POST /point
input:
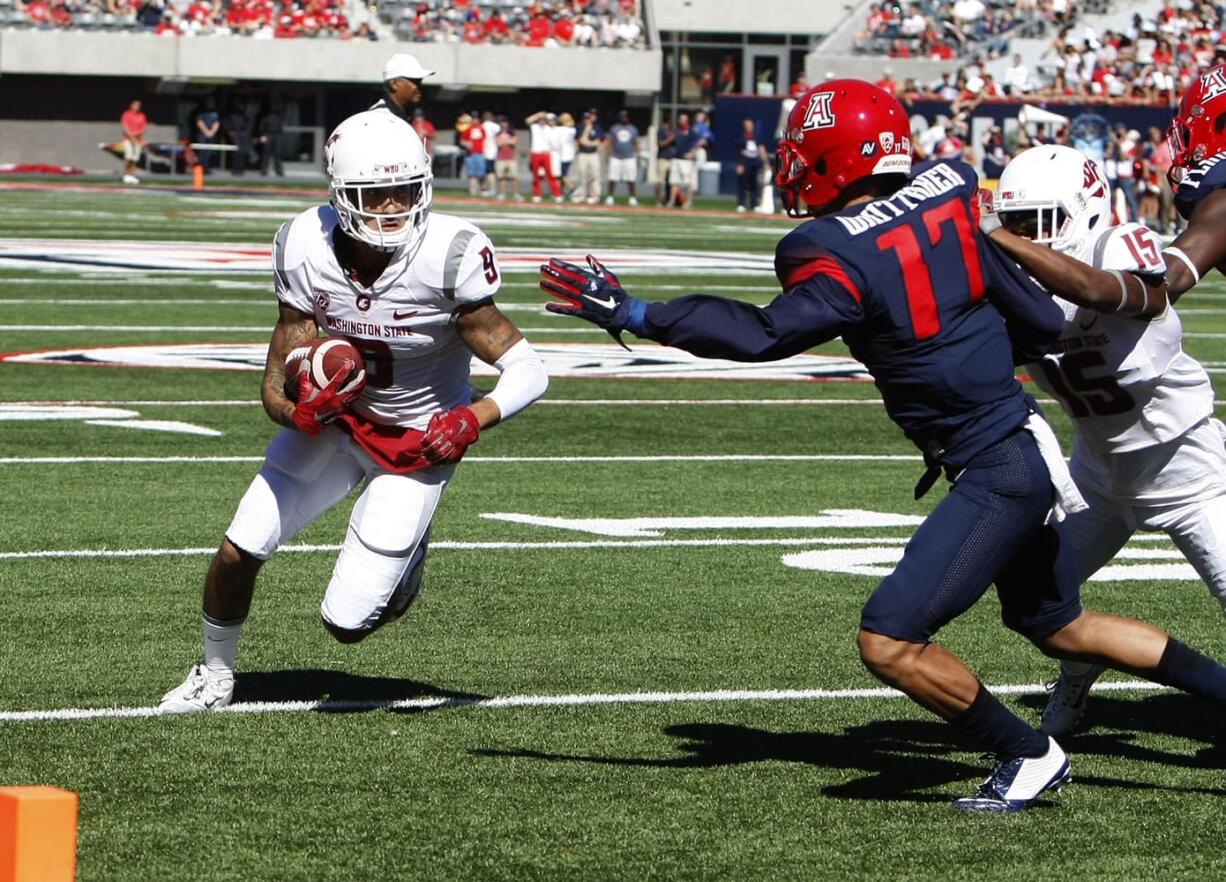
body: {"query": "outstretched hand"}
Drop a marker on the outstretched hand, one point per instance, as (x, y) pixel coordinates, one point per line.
(594, 295)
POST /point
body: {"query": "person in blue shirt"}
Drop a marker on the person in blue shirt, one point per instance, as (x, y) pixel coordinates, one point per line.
(683, 172)
(892, 260)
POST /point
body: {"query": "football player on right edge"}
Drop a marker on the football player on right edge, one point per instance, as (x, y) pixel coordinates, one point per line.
(1197, 139)
(1148, 453)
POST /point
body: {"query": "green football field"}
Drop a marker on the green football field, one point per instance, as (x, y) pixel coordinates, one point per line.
(634, 654)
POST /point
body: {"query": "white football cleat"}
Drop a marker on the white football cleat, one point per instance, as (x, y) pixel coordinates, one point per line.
(203, 690)
(1068, 700)
(1017, 783)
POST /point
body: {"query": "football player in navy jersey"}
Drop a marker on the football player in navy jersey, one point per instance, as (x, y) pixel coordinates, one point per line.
(1197, 138)
(893, 261)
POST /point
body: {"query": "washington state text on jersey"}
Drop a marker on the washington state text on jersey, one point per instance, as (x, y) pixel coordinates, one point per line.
(338, 325)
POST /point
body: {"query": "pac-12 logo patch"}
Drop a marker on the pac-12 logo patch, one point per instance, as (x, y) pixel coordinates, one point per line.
(887, 141)
(819, 114)
(322, 300)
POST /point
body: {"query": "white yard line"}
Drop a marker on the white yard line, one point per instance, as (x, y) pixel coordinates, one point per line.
(534, 701)
(545, 402)
(695, 457)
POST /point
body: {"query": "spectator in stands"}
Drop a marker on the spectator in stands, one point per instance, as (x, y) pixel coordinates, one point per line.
(1156, 162)
(492, 129)
(706, 140)
(133, 123)
(542, 142)
(706, 85)
(471, 136)
(750, 160)
(1017, 78)
(402, 78)
(207, 129)
(682, 171)
(238, 132)
(425, 129)
(566, 135)
(272, 129)
(1124, 152)
(666, 150)
(799, 86)
(623, 140)
(589, 137)
(995, 156)
(887, 81)
(727, 75)
(506, 164)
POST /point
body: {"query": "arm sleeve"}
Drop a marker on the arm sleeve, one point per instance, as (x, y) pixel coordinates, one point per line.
(289, 281)
(817, 310)
(522, 379)
(471, 272)
(1032, 318)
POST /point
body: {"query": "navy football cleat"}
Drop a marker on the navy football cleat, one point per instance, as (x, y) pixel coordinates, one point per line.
(1016, 784)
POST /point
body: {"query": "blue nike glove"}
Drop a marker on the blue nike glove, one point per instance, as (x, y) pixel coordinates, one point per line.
(594, 295)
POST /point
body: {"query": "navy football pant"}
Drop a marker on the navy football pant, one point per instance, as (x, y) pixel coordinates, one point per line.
(989, 528)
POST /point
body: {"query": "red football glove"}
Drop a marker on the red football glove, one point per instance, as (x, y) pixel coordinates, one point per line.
(317, 407)
(449, 434)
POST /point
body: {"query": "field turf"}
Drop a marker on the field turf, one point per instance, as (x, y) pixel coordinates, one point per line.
(576, 695)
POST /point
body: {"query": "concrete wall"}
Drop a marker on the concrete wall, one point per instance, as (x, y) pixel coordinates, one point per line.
(335, 61)
(68, 143)
(749, 16)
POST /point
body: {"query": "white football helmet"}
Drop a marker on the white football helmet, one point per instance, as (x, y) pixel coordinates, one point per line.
(380, 180)
(1054, 195)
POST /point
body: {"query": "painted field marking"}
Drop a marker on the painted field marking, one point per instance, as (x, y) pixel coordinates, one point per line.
(542, 460)
(544, 402)
(534, 701)
(835, 519)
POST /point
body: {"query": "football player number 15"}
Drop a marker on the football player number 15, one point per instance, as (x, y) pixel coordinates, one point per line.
(917, 277)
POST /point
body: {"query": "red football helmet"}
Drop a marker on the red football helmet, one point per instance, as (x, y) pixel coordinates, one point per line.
(837, 133)
(1198, 130)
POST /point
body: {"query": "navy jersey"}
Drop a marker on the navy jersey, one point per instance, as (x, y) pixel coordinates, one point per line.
(936, 312)
(1206, 177)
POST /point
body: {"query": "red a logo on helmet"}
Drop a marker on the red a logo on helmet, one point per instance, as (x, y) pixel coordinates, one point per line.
(1214, 84)
(819, 115)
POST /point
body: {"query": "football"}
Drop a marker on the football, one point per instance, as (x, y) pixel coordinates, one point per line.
(321, 359)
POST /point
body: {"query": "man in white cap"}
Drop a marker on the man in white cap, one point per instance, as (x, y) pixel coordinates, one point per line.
(402, 76)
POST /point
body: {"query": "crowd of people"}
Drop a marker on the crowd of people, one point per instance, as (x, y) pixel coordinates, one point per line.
(950, 28)
(583, 161)
(1144, 63)
(562, 23)
(615, 23)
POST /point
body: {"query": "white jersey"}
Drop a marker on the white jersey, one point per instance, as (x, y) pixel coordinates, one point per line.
(404, 324)
(1125, 381)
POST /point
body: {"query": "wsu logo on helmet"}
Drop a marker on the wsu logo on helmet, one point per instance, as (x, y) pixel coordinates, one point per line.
(1092, 180)
(819, 115)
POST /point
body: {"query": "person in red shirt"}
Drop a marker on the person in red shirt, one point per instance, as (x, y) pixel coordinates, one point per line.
(134, 123)
(472, 137)
(425, 130)
(564, 30)
(496, 30)
(538, 29)
(727, 75)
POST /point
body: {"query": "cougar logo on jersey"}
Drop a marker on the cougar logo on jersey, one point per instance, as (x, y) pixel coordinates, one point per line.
(1214, 84)
(887, 141)
(362, 302)
(819, 115)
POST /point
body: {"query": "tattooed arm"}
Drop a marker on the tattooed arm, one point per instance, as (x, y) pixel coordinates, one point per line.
(494, 339)
(293, 329)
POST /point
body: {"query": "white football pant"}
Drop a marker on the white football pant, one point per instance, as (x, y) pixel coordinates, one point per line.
(1178, 488)
(303, 477)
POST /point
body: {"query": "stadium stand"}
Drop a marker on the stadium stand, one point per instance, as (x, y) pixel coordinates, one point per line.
(608, 23)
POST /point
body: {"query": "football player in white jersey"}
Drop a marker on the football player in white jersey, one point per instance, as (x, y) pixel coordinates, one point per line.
(1148, 453)
(413, 292)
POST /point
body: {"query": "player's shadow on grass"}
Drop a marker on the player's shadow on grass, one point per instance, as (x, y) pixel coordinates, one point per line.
(341, 692)
(1111, 725)
(903, 758)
